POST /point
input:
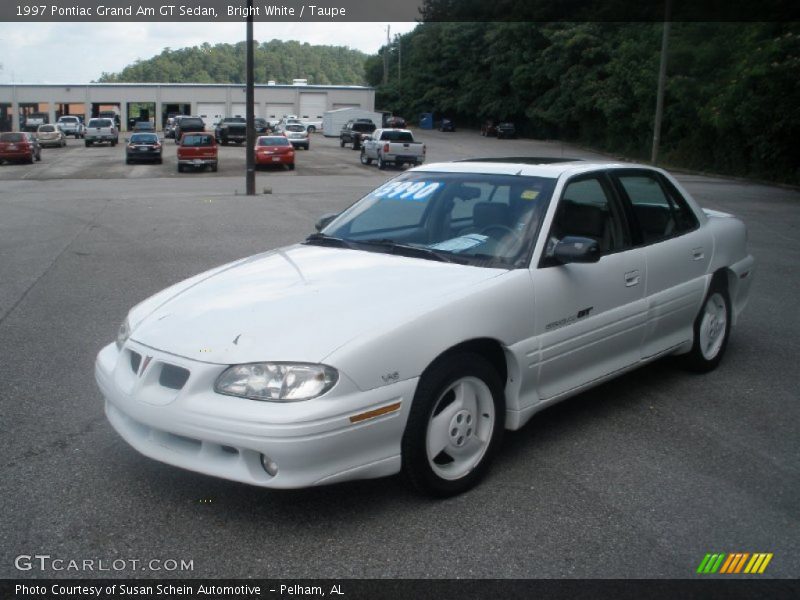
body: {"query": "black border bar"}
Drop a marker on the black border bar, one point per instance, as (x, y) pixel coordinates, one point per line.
(31, 11)
(710, 588)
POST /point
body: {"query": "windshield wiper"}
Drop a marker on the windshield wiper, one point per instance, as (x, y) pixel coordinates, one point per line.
(407, 250)
(321, 239)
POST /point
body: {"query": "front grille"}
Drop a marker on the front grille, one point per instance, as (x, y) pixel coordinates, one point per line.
(173, 377)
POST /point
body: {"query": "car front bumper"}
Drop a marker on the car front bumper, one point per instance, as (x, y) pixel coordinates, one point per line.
(313, 442)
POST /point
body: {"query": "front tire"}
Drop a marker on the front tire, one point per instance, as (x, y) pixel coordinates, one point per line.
(455, 425)
(712, 329)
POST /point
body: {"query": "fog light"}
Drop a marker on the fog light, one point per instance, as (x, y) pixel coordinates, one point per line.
(270, 466)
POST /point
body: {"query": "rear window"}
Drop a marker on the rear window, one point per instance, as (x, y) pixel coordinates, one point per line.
(277, 140)
(192, 122)
(368, 127)
(47, 128)
(100, 123)
(295, 128)
(197, 139)
(144, 138)
(397, 136)
(11, 137)
(68, 120)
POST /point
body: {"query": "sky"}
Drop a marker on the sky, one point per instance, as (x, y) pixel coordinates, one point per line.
(80, 52)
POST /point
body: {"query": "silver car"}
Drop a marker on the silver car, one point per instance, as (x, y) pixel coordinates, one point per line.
(71, 126)
(50, 135)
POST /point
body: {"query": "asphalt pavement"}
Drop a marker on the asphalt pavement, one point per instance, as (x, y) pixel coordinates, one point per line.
(638, 478)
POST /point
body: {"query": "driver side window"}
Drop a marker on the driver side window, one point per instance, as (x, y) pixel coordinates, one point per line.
(586, 210)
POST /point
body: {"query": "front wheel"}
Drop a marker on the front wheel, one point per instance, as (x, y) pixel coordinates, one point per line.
(712, 328)
(455, 425)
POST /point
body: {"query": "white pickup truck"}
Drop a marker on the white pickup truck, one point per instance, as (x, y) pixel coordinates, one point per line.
(392, 146)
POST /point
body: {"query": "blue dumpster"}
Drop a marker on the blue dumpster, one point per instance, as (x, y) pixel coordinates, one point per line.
(426, 121)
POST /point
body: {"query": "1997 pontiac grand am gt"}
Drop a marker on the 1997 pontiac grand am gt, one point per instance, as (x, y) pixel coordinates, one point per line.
(451, 303)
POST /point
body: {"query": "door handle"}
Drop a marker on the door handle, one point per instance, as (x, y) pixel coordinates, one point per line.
(697, 254)
(631, 278)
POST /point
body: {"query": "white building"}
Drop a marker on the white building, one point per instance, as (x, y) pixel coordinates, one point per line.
(157, 101)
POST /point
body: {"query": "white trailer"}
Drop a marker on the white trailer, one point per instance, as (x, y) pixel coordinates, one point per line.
(334, 120)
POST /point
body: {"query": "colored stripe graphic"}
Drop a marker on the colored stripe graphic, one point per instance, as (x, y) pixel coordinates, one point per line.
(734, 563)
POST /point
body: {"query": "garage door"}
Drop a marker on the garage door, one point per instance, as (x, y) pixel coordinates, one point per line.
(239, 109)
(276, 111)
(313, 106)
(210, 112)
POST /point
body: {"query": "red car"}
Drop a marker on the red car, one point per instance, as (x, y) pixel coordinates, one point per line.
(19, 146)
(197, 151)
(274, 150)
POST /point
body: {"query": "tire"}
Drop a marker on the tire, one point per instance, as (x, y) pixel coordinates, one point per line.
(341, 143)
(180, 168)
(113, 143)
(88, 143)
(356, 145)
(214, 168)
(364, 159)
(291, 167)
(32, 157)
(455, 425)
(311, 129)
(381, 163)
(712, 328)
(160, 161)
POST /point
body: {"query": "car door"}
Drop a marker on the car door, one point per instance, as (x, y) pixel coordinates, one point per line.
(589, 317)
(677, 250)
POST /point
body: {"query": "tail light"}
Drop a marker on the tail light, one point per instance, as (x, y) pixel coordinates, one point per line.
(386, 147)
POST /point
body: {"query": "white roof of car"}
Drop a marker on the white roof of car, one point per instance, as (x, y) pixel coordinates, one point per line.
(545, 169)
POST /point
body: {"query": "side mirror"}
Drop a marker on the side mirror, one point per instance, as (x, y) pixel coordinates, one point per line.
(324, 220)
(576, 249)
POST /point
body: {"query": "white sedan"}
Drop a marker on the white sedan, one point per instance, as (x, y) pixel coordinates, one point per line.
(451, 303)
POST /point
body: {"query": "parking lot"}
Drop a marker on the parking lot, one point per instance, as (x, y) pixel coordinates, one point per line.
(638, 478)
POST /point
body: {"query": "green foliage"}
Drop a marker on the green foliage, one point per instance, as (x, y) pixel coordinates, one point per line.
(225, 63)
(732, 101)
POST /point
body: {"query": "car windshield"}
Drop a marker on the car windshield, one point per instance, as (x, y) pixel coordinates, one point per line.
(11, 137)
(480, 219)
(100, 123)
(144, 138)
(273, 141)
(191, 139)
(397, 136)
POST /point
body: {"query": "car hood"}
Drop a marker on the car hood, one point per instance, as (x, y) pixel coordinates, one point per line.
(298, 303)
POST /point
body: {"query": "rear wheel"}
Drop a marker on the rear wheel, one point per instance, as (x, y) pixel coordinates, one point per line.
(455, 425)
(180, 168)
(711, 330)
(311, 129)
(32, 157)
(341, 143)
(381, 163)
(291, 167)
(364, 159)
(214, 168)
(88, 143)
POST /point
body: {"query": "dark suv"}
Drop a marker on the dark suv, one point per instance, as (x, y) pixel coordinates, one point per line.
(353, 131)
(188, 125)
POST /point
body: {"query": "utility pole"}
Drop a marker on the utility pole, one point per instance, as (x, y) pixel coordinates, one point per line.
(399, 39)
(386, 56)
(250, 151)
(662, 77)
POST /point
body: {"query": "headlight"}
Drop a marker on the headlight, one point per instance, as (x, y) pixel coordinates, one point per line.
(277, 382)
(123, 334)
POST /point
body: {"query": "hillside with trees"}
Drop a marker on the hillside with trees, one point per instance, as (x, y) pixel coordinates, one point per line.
(732, 101)
(225, 63)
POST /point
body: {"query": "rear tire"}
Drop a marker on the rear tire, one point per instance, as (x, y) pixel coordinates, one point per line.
(712, 328)
(381, 163)
(311, 129)
(341, 143)
(87, 143)
(291, 167)
(364, 159)
(455, 425)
